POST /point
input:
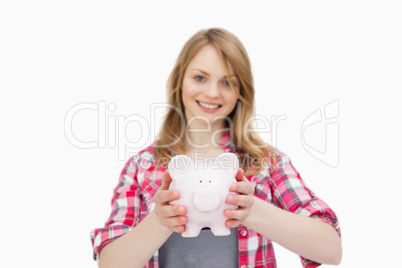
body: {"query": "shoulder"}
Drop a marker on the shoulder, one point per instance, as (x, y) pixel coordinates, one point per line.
(141, 162)
(147, 166)
(282, 159)
(283, 165)
(276, 160)
(275, 163)
(145, 156)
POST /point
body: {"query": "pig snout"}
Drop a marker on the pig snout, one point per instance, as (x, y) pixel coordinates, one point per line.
(206, 200)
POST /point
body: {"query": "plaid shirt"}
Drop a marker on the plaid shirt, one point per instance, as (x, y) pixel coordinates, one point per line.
(140, 179)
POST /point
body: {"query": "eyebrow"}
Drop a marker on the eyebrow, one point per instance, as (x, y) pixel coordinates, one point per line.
(204, 72)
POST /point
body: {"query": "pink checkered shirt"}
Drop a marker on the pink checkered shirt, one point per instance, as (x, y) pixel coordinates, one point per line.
(140, 179)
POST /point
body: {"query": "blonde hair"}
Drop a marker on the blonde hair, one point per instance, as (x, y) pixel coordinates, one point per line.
(248, 145)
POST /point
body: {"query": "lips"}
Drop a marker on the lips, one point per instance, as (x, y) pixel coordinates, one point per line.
(208, 105)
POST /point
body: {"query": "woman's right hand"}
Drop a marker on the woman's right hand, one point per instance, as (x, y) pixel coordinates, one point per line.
(171, 216)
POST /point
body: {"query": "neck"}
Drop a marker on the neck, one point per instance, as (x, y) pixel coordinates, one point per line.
(199, 138)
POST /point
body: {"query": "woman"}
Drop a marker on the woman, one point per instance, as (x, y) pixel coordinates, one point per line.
(212, 95)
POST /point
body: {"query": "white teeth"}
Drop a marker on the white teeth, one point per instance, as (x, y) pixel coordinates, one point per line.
(208, 106)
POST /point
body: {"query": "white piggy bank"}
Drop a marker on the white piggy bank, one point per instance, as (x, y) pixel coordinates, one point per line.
(203, 189)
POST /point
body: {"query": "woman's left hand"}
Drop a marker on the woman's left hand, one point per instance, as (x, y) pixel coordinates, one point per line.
(244, 200)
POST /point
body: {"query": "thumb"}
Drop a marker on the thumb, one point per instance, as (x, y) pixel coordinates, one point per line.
(166, 180)
(240, 174)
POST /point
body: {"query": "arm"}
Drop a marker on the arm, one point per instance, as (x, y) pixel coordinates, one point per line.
(135, 248)
(285, 222)
(305, 236)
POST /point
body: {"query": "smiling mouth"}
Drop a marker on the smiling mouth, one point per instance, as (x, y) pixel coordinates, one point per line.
(208, 106)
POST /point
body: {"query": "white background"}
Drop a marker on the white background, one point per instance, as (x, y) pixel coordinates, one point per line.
(305, 55)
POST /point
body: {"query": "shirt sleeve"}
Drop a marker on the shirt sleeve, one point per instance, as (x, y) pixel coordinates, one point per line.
(290, 193)
(125, 209)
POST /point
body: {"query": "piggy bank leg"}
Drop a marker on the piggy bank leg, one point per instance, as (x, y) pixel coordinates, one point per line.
(220, 230)
(192, 230)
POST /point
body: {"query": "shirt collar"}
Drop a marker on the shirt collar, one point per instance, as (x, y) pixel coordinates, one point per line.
(224, 141)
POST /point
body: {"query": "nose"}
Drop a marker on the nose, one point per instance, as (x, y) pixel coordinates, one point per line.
(212, 90)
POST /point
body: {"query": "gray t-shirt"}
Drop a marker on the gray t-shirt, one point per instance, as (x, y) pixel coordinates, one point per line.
(206, 250)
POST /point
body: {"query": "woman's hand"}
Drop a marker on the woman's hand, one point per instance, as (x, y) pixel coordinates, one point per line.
(244, 200)
(171, 216)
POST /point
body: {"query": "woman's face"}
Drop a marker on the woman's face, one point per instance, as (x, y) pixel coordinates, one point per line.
(206, 91)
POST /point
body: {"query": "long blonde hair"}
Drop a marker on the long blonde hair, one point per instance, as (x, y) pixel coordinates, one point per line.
(253, 153)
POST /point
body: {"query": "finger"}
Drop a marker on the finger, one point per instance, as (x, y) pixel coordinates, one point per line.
(166, 196)
(240, 174)
(170, 211)
(242, 187)
(179, 229)
(237, 214)
(174, 222)
(166, 180)
(240, 200)
(232, 223)
(175, 228)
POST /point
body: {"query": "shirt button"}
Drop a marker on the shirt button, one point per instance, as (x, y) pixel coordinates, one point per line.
(243, 232)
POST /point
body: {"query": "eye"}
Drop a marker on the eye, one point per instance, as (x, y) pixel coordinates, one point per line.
(226, 83)
(199, 78)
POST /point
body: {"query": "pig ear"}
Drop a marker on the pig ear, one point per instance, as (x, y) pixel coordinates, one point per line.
(179, 165)
(228, 163)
